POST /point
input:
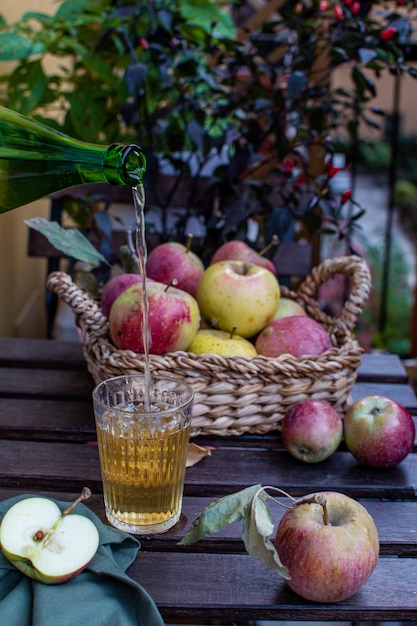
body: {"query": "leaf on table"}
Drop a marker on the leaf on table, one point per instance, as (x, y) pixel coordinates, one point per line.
(70, 241)
(196, 453)
(257, 527)
(218, 514)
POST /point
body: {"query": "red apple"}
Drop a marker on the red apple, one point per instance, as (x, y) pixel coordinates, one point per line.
(114, 287)
(297, 335)
(378, 431)
(238, 295)
(237, 250)
(312, 430)
(173, 319)
(174, 261)
(330, 546)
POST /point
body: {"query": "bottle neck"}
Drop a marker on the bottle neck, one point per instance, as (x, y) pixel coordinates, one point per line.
(124, 165)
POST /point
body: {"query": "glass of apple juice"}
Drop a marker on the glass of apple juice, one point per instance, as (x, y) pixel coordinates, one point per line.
(143, 432)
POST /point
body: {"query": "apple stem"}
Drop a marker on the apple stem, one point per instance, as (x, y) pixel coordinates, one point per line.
(234, 329)
(84, 495)
(189, 241)
(316, 498)
(172, 283)
(40, 535)
(274, 242)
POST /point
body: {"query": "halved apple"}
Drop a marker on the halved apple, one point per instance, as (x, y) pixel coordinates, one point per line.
(46, 544)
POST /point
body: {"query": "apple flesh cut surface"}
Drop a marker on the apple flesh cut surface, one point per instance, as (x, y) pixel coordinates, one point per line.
(330, 550)
(45, 544)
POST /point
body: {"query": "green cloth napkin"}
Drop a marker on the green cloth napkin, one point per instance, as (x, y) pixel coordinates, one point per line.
(102, 595)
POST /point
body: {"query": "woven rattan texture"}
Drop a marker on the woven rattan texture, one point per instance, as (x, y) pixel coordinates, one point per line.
(237, 395)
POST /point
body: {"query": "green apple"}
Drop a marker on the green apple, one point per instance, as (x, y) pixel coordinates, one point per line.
(236, 294)
(288, 307)
(46, 544)
(213, 341)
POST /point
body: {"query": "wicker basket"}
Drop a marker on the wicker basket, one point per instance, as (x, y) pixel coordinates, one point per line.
(237, 395)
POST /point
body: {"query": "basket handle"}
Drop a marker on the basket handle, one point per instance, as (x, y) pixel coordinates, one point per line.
(87, 311)
(353, 266)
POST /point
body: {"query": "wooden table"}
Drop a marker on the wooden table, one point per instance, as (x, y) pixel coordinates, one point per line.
(47, 446)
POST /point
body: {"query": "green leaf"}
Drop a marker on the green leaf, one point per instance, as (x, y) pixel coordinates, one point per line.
(218, 514)
(14, 47)
(258, 526)
(68, 240)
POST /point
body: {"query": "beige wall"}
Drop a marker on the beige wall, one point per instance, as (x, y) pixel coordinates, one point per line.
(22, 279)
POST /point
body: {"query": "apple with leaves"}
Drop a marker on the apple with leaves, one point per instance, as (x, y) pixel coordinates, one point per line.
(329, 543)
(173, 319)
(378, 431)
(235, 294)
(312, 430)
(174, 261)
(326, 544)
(46, 544)
(237, 250)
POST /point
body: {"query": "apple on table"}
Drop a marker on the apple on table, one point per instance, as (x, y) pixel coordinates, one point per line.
(329, 543)
(46, 544)
(312, 430)
(236, 294)
(378, 431)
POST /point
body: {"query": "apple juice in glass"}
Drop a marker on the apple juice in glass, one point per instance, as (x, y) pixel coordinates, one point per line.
(143, 450)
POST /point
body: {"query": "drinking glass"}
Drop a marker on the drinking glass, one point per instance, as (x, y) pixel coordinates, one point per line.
(143, 433)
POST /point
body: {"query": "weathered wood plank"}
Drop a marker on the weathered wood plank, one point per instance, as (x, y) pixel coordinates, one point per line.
(43, 465)
(238, 586)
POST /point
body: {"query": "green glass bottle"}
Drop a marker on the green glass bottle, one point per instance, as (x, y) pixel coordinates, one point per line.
(36, 161)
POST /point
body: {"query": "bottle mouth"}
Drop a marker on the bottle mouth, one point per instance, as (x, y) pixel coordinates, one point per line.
(133, 165)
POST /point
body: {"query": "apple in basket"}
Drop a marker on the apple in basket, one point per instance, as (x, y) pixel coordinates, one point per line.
(114, 287)
(222, 343)
(296, 335)
(46, 544)
(312, 430)
(287, 308)
(378, 431)
(329, 543)
(235, 294)
(237, 250)
(173, 319)
(174, 261)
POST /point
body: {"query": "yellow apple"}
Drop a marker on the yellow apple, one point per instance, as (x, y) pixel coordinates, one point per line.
(213, 341)
(236, 294)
